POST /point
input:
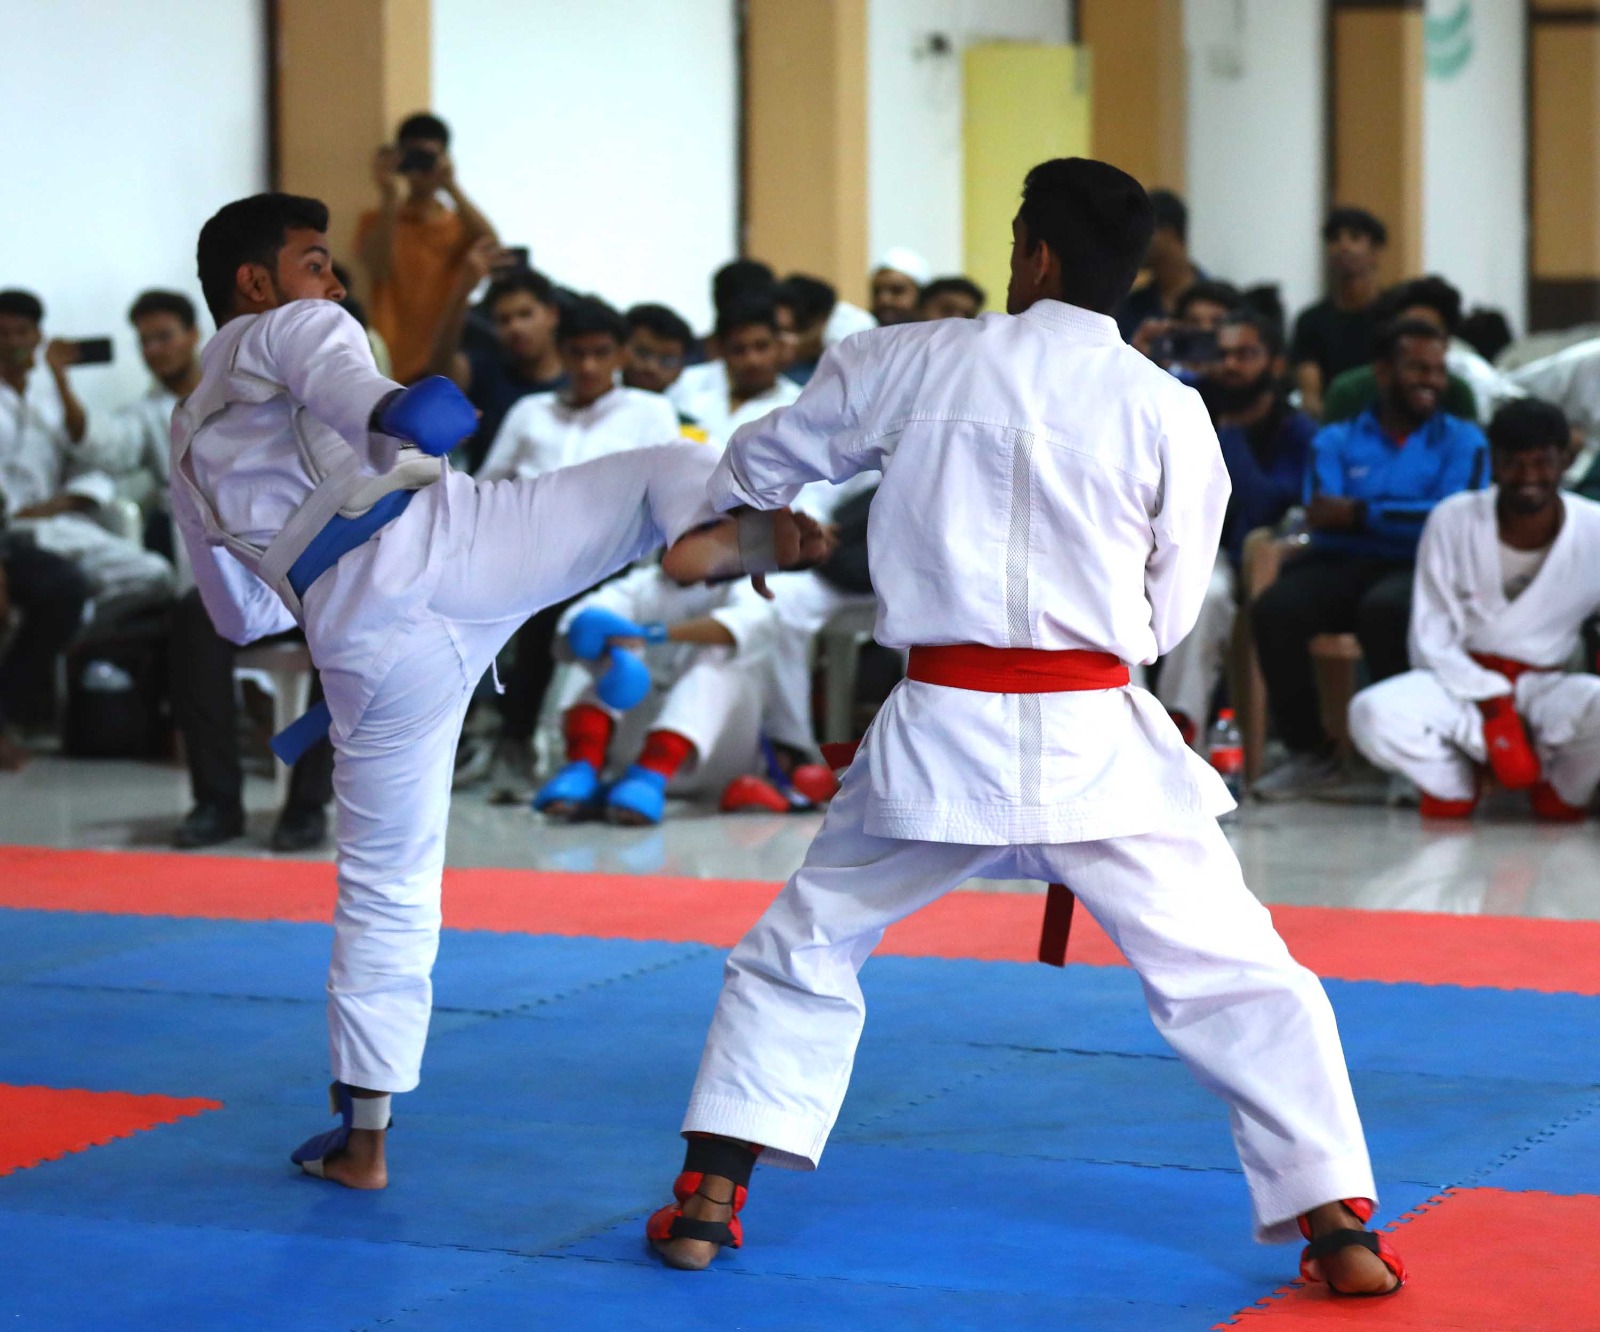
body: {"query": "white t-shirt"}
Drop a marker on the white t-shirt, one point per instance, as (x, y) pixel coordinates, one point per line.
(543, 431)
(37, 460)
(1518, 568)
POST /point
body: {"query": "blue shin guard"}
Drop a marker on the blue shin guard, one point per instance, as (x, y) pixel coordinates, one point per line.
(313, 1152)
(575, 784)
(641, 792)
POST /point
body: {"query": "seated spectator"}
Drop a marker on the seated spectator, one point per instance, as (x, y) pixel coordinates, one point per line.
(1475, 388)
(708, 652)
(1371, 485)
(205, 713)
(809, 302)
(521, 304)
(44, 597)
(1337, 333)
(131, 444)
(49, 496)
(659, 341)
(1569, 378)
(1170, 269)
(414, 247)
(954, 297)
(751, 385)
(1505, 580)
(1265, 444)
(738, 283)
(1186, 343)
(1487, 331)
(897, 281)
(593, 416)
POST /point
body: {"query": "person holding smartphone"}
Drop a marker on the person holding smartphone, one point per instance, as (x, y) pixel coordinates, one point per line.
(413, 246)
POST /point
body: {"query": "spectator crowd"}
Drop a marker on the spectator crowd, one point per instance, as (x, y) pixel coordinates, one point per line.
(1413, 498)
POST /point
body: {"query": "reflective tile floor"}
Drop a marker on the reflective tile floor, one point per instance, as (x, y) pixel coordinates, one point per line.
(1316, 855)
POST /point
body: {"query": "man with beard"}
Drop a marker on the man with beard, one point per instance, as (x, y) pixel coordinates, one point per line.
(1506, 578)
(1370, 487)
(1265, 444)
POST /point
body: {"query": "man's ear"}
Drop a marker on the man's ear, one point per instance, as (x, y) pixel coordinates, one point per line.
(253, 283)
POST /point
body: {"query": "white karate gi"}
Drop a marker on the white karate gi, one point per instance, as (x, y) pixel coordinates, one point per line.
(1044, 486)
(716, 697)
(38, 461)
(401, 630)
(542, 431)
(701, 393)
(1426, 723)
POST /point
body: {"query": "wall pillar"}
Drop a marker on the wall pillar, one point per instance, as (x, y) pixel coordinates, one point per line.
(1138, 107)
(1563, 163)
(344, 76)
(805, 138)
(1376, 69)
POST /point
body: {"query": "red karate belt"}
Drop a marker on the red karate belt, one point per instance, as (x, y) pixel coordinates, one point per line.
(992, 670)
(995, 670)
(1505, 666)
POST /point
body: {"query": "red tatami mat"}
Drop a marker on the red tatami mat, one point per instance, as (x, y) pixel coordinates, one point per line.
(1478, 1260)
(1499, 952)
(41, 1123)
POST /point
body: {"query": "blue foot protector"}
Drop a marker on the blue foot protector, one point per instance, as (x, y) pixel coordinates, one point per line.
(575, 784)
(313, 1152)
(640, 792)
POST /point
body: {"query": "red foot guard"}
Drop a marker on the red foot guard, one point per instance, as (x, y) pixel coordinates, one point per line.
(1317, 1249)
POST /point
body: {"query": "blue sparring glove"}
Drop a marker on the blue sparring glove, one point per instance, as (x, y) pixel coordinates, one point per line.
(433, 414)
(590, 628)
(626, 681)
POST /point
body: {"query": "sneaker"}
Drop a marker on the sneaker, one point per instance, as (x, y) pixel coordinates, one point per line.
(473, 760)
(1299, 777)
(511, 773)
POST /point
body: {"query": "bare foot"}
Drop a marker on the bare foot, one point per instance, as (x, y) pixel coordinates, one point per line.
(1352, 1270)
(694, 1255)
(361, 1165)
(711, 553)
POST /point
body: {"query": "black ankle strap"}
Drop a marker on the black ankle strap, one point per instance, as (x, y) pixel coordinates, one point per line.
(1335, 1240)
(721, 1156)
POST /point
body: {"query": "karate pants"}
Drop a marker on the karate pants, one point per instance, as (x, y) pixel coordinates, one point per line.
(1249, 1022)
(716, 705)
(1411, 724)
(527, 544)
(1191, 672)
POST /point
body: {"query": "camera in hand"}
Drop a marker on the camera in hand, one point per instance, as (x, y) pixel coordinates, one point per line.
(1186, 346)
(417, 160)
(93, 351)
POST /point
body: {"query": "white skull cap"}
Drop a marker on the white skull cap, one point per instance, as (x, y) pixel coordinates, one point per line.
(909, 262)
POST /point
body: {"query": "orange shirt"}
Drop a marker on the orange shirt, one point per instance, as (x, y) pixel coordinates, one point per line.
(424, 266)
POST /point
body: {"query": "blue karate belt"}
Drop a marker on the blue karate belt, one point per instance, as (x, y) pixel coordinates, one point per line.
(338, 538)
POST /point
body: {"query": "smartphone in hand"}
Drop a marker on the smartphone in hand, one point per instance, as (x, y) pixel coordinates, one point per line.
(93, 351)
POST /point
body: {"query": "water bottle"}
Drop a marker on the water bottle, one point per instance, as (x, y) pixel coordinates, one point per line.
(1226, 750)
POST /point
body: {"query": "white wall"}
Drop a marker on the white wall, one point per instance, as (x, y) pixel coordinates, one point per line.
(1475, 225)
(1255, 136)
(914, 185)
(602, 135)
(129, 125)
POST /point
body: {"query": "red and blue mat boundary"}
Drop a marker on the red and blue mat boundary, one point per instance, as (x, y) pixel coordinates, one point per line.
(1018, 1148)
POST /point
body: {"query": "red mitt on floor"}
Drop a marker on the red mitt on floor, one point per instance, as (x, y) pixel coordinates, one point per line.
(1511, 756)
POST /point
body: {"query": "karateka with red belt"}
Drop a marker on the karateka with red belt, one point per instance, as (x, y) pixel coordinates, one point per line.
(1506, 578)
(1049, 512)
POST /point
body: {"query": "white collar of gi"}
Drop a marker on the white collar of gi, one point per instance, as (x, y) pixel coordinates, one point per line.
(1083, 325)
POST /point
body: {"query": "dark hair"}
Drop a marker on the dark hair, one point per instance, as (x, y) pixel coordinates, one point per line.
(1266, 299)
(811, 299)
(24, 303)
(589, 314)
(1171, 213)
(1268, 328)
(1097, 222)
(1357, 220)
(740, 280)
(956, 284)
(423, 125)
(1390, 340)
(1224, 294)
(1486, 331)
(173, 303)
(1528, 423)
(249, 231)
(667, 324)
(743, 314)
(1432, 293)
(530, 280)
